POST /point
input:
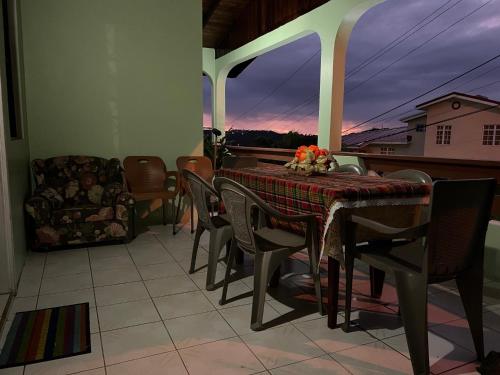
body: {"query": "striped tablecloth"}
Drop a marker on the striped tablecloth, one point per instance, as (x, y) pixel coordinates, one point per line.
(391, 201)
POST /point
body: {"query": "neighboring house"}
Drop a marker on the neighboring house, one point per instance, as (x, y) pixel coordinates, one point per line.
(455, 125)
(467, 135)
(379, 141)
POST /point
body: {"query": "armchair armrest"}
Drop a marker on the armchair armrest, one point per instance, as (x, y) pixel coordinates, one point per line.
(39, 209)
(390, 232)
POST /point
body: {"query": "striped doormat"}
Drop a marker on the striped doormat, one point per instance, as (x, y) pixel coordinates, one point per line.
(43, 335)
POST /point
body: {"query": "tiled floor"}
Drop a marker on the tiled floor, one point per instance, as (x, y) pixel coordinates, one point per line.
(149, 317)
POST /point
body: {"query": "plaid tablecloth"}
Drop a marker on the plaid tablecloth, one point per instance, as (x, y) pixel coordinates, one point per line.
(328, 195)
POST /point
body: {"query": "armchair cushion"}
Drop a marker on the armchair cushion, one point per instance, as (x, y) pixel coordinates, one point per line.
(82, 214)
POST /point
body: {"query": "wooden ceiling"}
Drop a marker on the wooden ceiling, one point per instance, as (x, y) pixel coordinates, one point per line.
(229, 24)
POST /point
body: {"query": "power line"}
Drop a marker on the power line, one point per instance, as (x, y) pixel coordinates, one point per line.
(437, 122)
(393, 44)
(475, 78)
(425, 93)
(484, 86)
(280, 85)
(418, 47)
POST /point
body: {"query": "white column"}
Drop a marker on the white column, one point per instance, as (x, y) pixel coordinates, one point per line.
(219, 101)
(331, 96)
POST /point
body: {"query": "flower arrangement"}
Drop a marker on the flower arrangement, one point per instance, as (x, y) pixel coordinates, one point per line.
(310, 160)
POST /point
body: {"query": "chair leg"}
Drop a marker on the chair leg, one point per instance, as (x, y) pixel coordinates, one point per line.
(470, 286)
(199, 232)
(349, 273)
(265, 265)
(315, 270)
(377, 278)
(173, 216)
(229, 266)
(164, 211)
(412, 296)
(192, 215)
(215, 247)
(178, 211)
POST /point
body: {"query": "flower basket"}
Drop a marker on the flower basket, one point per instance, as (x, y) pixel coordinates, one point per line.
(309, 161)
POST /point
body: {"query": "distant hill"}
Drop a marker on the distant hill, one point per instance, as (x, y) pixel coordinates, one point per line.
(268, 138)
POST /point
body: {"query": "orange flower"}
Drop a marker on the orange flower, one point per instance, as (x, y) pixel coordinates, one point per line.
(300, 150)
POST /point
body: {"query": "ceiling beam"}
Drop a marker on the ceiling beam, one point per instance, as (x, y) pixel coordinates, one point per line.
(210, 11)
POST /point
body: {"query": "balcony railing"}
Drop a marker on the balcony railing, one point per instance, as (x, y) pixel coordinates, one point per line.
(437, 168)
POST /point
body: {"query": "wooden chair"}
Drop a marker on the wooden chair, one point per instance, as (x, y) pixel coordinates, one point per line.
(202, 166)
(147, 178)
(268, 245)
(450, 246)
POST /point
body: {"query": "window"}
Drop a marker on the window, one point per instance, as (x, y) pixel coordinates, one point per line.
(420, 128)
(387, 150)
(491, 135)
(443, 135)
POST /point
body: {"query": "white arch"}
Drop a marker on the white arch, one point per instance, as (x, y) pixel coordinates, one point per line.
(333, 22)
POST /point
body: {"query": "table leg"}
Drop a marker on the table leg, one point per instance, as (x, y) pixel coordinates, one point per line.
(333, 291)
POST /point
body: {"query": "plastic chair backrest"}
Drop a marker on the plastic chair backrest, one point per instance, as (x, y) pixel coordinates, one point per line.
(200, 191)
(145, 174)
(411, 175)
(201, 165)
(351, 168)
(459, 214)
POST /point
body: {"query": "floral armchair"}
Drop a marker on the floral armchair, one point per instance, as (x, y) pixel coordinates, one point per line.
(77, 200)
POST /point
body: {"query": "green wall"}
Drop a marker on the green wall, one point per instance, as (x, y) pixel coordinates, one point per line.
(114, 77)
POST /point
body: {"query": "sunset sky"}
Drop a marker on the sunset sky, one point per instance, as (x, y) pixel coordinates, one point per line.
(450, 52)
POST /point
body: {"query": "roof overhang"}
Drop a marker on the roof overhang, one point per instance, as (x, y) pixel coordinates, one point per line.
(413, 117)
(460, 96)
(230, 24)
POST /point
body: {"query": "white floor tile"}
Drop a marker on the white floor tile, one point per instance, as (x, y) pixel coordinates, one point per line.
(66, 298)
(152, 255)
(123, 261)
(443, 354)
(374, 359)
(136, 342)
(13, 371)
(239, 317)
(66, 283)
(170, 285)
(198, 329)
(120, 293)
(168, 363)
(127, 314)
(67, 256)
(316, 366)
(101, 252)
(178, 305)
(115, 276)
(237, 294)
(66, 268)
(281, 346)
(224, 357)
(381, 324)
(29, 285)
(157, 271)
(333, 340)
(70, 365)
(20, 304)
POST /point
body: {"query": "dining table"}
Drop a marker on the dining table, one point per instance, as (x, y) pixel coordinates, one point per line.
(333, 197)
